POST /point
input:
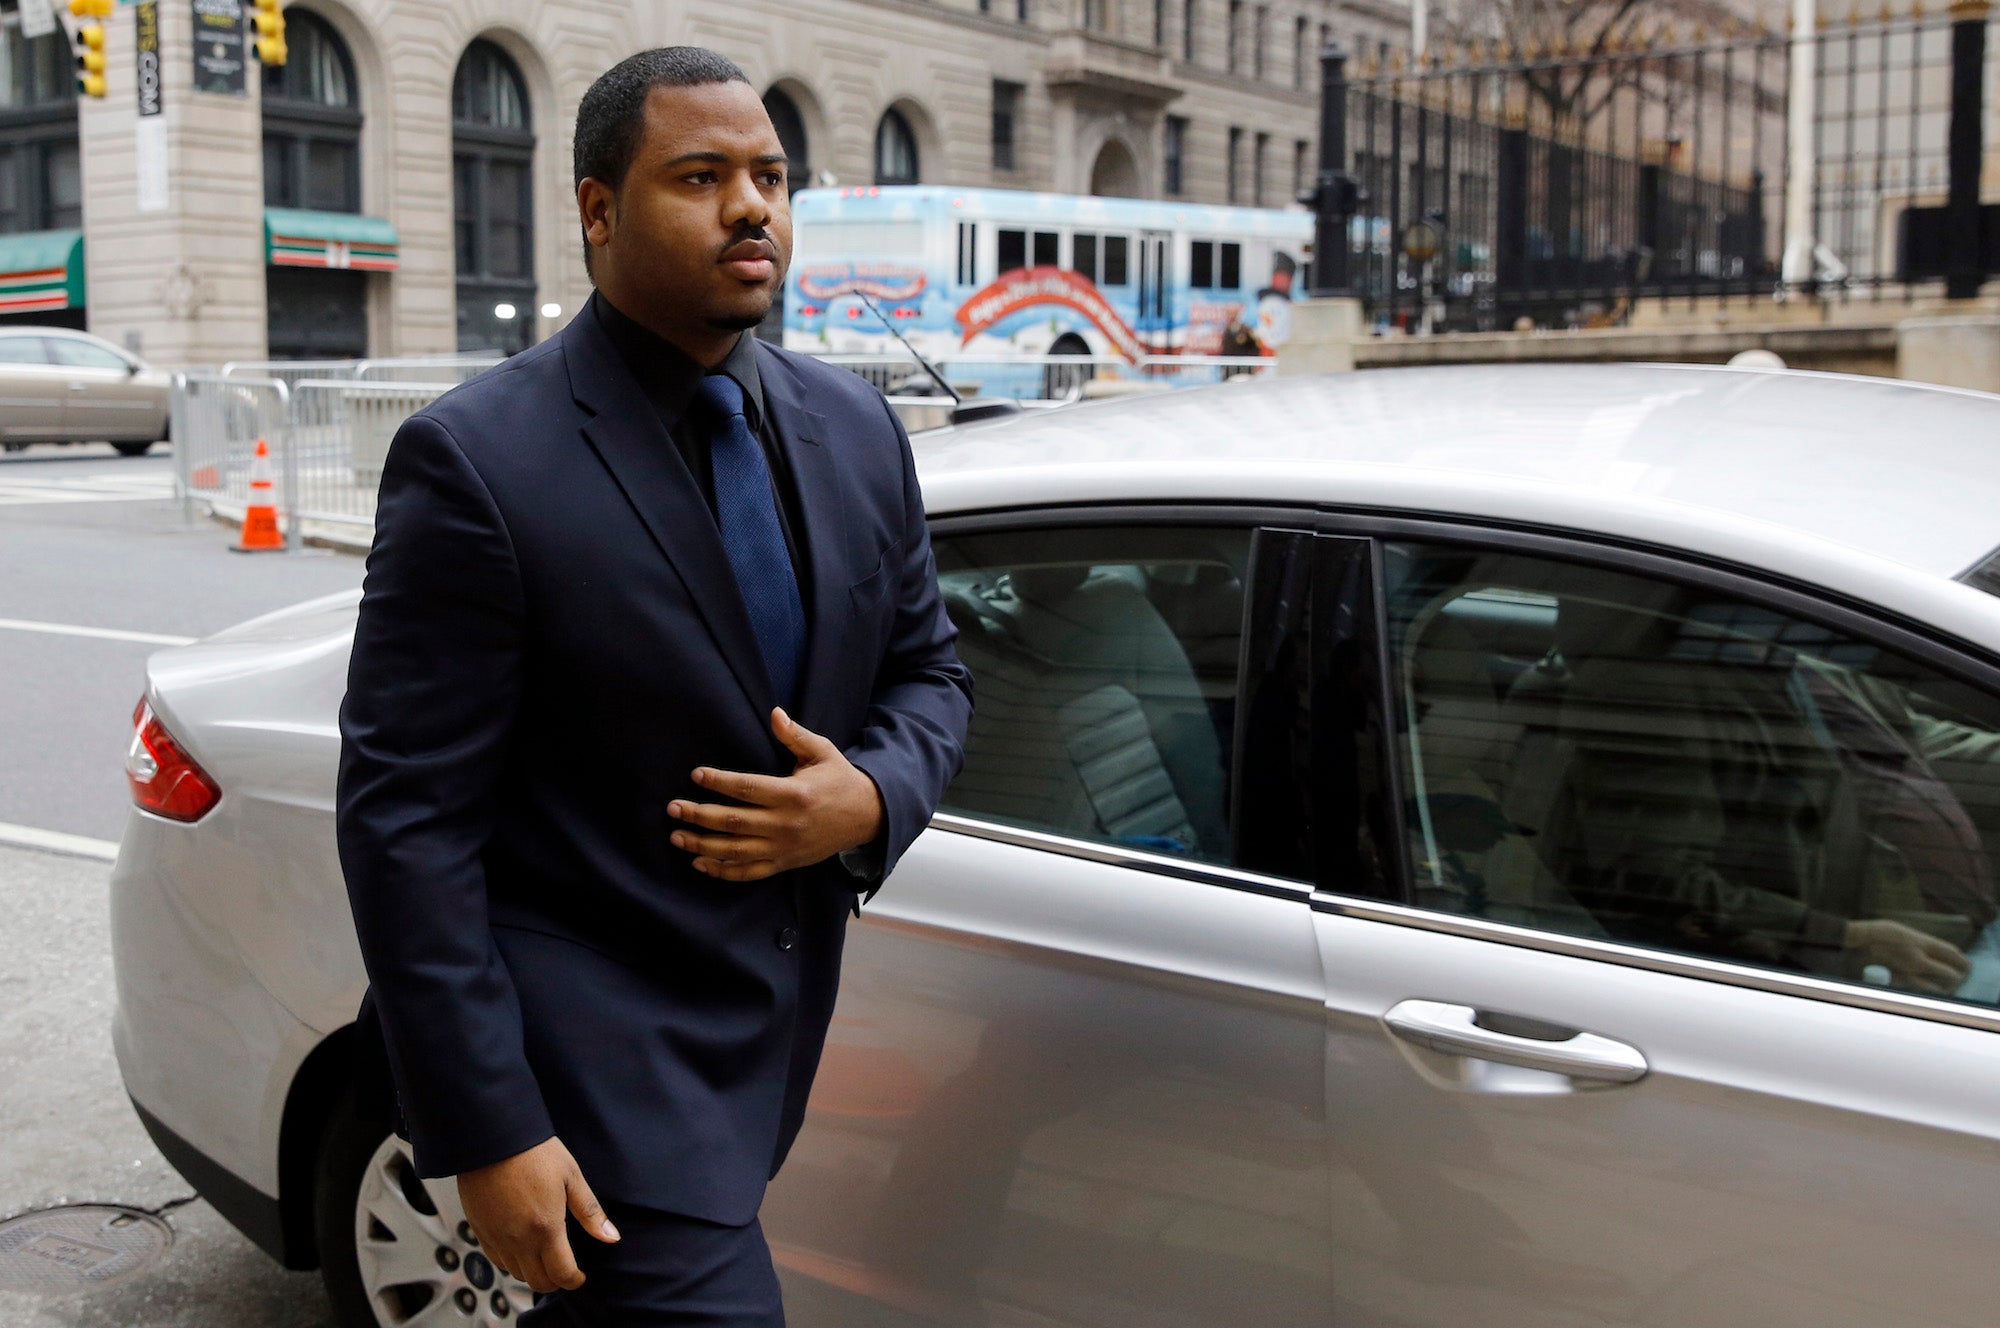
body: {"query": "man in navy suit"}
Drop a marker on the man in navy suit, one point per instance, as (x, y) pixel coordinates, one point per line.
(651, 685)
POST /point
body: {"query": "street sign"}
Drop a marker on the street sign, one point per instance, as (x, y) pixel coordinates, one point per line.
(219, 57)
(146, 46)
(149, 138)
(38, 18)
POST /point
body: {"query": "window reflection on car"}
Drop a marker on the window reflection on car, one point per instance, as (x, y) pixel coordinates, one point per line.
(1646, 761)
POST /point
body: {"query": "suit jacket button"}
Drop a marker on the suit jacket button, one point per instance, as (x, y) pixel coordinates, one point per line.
(788, 937)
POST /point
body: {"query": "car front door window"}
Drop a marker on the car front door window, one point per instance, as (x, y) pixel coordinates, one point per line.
(1105, 675)
(1643, 761)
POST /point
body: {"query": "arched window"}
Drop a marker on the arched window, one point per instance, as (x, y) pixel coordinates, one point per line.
(493, 156)
(312, 121)
(791, 127)
(895, 150)
(312, 163)
(41, 182)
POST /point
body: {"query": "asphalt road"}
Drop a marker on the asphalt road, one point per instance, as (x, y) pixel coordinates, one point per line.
(89, 543)
(82, 545)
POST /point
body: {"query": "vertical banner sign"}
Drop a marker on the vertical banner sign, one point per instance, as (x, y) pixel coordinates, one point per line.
(220, 60)
(38, 18)
(150, 135)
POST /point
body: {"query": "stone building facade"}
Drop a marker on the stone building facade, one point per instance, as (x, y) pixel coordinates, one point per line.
(403, 185)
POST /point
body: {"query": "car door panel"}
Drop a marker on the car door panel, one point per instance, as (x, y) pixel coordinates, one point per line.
(1775, 1147)
(31, 394)
(1062, 1089)
(104, 399)
(1785, 1160)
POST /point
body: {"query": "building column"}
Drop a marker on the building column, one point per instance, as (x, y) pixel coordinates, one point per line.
(179, 275)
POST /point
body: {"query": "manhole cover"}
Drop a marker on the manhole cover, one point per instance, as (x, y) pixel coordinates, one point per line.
(57, 1250)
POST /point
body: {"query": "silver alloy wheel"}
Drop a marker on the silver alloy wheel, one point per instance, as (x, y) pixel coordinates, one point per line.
(423, 1269)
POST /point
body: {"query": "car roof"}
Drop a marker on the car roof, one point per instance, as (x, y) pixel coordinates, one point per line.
(1890, 470)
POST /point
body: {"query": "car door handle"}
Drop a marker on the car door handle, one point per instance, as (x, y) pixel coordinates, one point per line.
(79, 387)
(1457, 1030)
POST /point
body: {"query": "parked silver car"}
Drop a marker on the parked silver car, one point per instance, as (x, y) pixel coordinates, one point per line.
(1488, 846)
(62, 386)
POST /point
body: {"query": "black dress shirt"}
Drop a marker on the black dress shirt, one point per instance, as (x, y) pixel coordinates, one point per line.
(669, 376)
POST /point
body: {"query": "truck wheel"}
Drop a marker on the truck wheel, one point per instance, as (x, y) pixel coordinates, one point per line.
(393, 1246)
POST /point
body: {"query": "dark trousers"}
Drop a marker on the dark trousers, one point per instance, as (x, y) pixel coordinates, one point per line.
(665, 1271)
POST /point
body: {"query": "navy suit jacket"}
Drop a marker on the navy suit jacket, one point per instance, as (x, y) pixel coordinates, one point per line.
(550, 640)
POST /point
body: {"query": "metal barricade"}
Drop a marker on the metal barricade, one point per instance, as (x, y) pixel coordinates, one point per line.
(329, 432)
(1047, 378)
(340, 432)
(422, 368)
(217, 422)
(288, 371)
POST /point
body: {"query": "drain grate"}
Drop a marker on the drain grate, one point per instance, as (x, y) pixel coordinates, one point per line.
(78, 1246)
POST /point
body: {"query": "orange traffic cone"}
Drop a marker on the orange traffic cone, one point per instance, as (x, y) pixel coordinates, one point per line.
(260, 517)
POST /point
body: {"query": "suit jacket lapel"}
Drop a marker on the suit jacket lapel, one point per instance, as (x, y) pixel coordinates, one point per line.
(625, 432)
(801, 435)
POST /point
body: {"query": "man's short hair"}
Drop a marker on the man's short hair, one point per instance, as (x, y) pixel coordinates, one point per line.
(611, 119)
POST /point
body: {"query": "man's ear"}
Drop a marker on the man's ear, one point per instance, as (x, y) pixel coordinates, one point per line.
(597, 207)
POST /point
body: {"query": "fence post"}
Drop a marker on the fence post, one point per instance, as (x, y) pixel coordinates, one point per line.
(1964, 264)
(181, 430)
(1802, 147)
(1510, 207)
(1334, 196)
(288, 438)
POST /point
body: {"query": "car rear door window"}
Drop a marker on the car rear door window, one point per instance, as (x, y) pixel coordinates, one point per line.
(1646, 761)
(84, 355)
(1104, 666)
(23, 350)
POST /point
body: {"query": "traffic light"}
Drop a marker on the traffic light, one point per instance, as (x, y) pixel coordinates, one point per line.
(90, 16)
(269, 21)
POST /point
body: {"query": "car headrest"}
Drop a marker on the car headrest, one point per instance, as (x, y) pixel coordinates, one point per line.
(1643, 624)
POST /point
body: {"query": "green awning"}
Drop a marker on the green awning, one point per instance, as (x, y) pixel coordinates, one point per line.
(294, 237)
(41, 271)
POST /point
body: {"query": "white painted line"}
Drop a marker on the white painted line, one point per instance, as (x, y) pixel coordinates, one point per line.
(98, 633)
(55, 841)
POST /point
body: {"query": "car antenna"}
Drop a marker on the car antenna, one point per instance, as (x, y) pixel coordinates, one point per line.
(962, 411)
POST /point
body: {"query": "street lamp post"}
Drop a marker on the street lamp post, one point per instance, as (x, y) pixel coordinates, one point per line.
(1336, 195)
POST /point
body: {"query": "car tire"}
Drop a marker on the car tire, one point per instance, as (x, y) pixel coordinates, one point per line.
(1064, 382)
(392, 1245)
(133, 449)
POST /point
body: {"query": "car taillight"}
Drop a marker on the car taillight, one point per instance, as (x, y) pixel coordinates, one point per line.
(165, 780)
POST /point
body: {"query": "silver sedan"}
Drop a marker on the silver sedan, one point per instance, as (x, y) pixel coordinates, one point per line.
(60, 386)
(1437, 847)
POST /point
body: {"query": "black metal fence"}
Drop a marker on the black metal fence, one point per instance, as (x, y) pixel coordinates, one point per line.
(1498, 190)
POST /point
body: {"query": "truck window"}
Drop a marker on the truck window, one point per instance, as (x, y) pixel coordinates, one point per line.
(1013, 250)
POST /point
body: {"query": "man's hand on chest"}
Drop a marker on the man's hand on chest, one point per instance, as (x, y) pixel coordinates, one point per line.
(825, 806)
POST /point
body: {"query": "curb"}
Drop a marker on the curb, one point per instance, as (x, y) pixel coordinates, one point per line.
(335, 535)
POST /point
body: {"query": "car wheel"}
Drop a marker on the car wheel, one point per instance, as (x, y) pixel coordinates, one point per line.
(133, 449)
(1064, 382)
(12, 446)
(395, 1249)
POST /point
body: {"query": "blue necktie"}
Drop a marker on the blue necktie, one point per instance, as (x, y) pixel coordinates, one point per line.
(746, 509)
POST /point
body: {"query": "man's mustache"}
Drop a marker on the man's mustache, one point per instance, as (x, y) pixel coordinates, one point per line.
(749, 235)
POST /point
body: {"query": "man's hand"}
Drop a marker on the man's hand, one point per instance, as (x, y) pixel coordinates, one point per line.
(825, 806)
(516, 1207)
(1914, 959)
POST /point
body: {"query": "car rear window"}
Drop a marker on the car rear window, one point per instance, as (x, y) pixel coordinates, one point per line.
(1986, 574)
